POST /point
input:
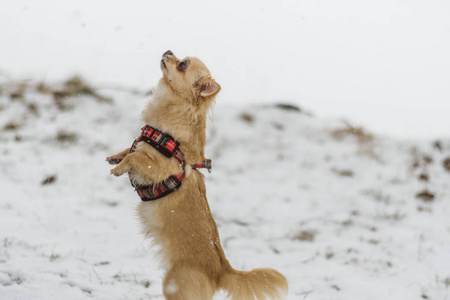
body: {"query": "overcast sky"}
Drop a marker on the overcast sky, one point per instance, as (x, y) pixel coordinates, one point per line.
(384, 64)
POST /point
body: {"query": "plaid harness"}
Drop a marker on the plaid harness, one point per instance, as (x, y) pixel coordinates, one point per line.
(168, 147)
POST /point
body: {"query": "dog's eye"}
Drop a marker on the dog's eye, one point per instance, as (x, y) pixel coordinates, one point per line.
(182, 65)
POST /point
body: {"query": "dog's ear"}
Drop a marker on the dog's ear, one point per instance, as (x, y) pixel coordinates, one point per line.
(209, 88)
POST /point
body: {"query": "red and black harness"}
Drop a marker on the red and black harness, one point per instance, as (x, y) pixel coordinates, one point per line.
(168, 147)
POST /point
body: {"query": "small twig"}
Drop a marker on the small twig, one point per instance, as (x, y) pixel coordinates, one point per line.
(308, 259)
(305, 294)
(98, 276)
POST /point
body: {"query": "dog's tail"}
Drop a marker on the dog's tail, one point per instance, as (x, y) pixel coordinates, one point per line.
(259, 284)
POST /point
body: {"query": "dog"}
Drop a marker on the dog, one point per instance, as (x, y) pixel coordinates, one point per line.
(181, 223)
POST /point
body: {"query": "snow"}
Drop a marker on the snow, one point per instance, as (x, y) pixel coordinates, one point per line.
(334, 209)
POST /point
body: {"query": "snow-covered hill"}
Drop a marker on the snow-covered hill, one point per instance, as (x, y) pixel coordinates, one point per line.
(342, 213)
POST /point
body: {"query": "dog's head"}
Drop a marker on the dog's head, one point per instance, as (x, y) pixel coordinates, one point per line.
(188, 78)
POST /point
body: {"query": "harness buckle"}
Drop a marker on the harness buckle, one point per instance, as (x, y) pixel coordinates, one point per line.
(172, 183)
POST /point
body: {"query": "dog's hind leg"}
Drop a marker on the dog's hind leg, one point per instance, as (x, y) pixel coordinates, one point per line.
(185, 283)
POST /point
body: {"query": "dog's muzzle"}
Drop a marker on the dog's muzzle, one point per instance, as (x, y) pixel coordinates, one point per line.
(168, 54)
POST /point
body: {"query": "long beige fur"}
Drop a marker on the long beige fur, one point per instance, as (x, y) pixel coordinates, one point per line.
(181, 223)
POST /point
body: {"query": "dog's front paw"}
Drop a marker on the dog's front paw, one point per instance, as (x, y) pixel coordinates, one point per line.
(114, 160)
(119, 170)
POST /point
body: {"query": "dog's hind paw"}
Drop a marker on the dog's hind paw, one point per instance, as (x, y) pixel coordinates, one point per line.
(119, 170)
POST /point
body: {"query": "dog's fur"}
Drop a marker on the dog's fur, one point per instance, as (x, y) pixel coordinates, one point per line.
(181, 223)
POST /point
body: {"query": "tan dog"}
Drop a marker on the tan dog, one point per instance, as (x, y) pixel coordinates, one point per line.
(181, 223)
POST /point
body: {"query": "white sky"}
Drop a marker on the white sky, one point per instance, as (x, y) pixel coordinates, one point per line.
(384, 64)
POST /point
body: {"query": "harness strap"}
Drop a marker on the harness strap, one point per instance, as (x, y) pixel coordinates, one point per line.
(169, 147)
(162, 189)
(206, 164)
(162, 142)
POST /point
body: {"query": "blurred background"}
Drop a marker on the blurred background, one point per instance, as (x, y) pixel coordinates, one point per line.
(342, 212)
(381, 64)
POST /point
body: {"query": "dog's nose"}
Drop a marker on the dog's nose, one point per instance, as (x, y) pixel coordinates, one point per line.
(168, 52)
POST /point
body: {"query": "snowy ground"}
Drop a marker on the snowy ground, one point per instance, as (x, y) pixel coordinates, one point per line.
(332, 207)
